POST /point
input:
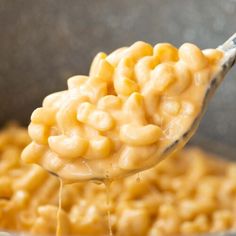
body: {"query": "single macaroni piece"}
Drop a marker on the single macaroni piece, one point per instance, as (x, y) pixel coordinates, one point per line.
(189, 193)
(120, 118)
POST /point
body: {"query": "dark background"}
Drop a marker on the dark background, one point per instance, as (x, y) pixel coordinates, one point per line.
(44, 42)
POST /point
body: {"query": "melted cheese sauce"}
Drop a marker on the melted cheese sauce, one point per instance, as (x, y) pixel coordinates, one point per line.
(59, 229)
(108, 201)
(135, 103)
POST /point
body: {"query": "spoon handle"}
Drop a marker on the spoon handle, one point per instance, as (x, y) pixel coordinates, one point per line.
(229, 49)
(229, 45)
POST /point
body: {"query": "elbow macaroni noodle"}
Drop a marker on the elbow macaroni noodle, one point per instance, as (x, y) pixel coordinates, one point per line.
(135, 102)
(188, 193)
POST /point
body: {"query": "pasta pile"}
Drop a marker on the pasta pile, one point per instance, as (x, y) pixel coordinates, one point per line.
(119, 119)
(187, 193)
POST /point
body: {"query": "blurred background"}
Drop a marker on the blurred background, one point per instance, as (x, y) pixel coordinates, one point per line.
(42, 43)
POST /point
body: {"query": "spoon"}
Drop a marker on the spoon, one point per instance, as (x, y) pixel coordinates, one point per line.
(105, 169)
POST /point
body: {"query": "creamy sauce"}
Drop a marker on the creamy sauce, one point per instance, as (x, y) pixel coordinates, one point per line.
(59, 229)
(138, 179)
(108, 201)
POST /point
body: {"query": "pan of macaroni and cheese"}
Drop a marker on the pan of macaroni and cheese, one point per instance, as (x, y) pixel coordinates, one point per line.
(190, 193)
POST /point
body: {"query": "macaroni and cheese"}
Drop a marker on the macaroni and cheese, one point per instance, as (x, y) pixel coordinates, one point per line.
(120, 119)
